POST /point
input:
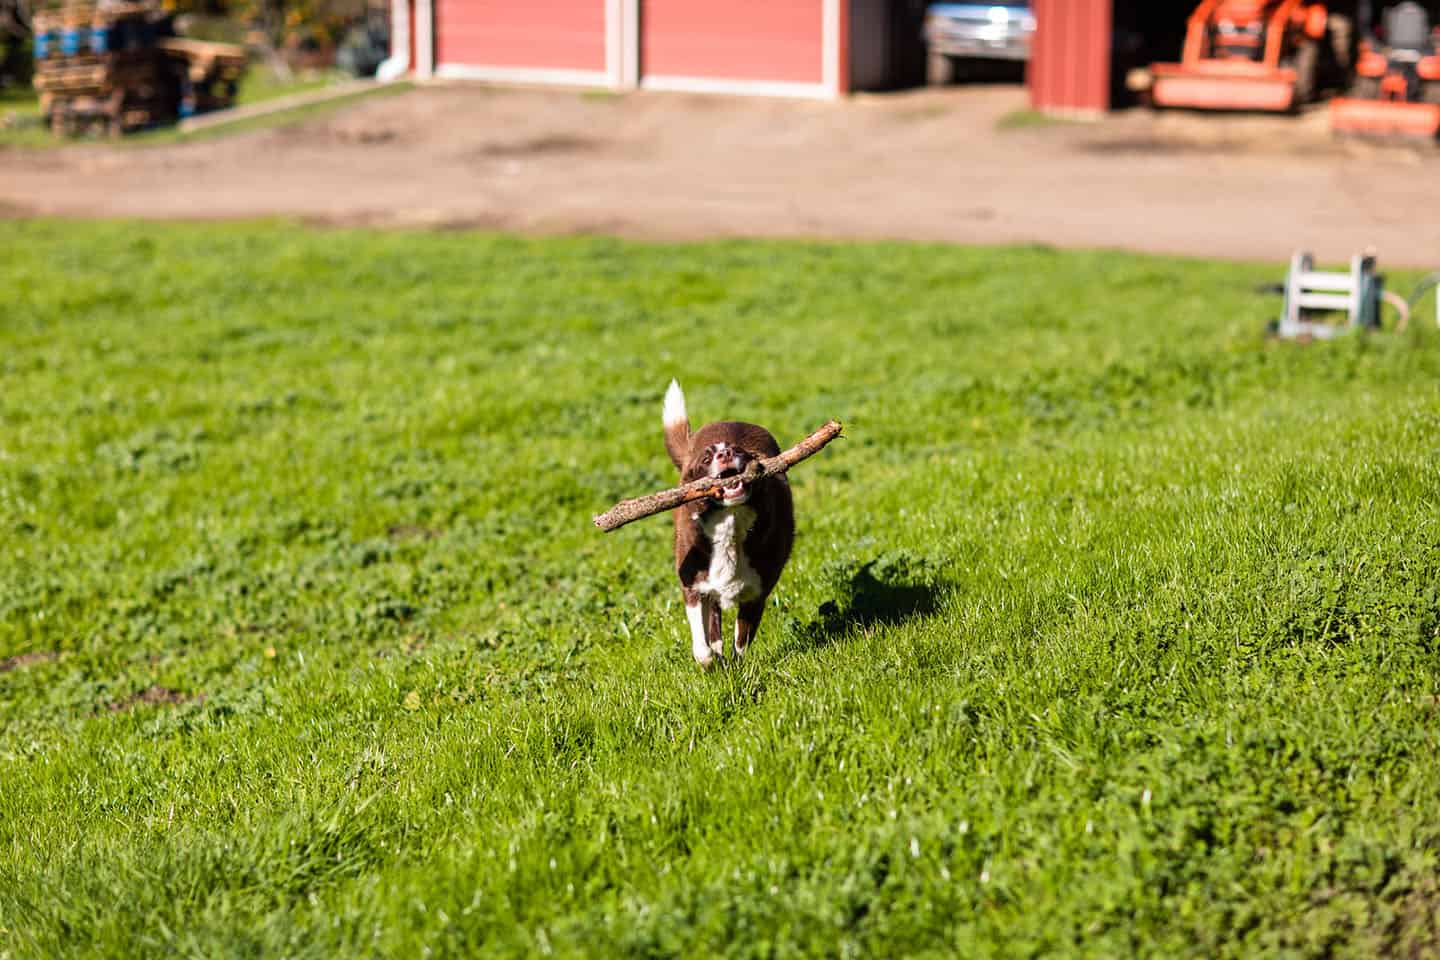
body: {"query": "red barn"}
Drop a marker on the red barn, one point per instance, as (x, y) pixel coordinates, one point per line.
(1083, 49)
(1070, 58)
(798, 48)
(779, 47)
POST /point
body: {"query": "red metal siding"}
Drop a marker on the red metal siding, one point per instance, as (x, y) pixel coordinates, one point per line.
(1070, 57)
(410, 51)
(538, 34)
(764, 40)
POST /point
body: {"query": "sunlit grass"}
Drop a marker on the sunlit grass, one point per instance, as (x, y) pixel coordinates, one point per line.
(1110, 630)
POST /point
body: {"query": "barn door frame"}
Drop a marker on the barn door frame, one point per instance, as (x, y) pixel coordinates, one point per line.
(834, 77)
(611, 76)
(623, 69)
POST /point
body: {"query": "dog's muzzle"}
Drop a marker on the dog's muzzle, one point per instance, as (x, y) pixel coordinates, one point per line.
(732, 491)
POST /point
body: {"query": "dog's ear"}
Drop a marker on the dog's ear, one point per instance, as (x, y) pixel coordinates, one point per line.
(694, 465)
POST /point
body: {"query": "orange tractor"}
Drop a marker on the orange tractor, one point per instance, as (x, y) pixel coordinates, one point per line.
(1397, 77)
(1249, 55)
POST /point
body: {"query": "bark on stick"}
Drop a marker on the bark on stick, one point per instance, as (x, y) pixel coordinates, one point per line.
(627, 511)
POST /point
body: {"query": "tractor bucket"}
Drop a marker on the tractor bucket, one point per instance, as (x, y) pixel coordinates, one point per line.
(1383, 118)
(1221, 85)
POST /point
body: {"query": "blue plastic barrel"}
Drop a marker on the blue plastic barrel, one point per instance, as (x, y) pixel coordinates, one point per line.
(44, 44)
(71, 40)
(100, 40)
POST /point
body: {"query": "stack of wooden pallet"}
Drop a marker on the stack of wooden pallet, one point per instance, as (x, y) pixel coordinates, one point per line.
(208, 73)
(116, 64)
(100, 65)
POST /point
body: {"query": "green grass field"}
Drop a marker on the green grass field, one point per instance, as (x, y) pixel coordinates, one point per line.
(1111, 629)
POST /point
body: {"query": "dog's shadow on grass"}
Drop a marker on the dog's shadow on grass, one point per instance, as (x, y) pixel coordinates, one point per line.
(884, 592)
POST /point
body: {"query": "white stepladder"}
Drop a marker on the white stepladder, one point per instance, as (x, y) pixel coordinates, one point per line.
(1432, 282)
(1309, 292)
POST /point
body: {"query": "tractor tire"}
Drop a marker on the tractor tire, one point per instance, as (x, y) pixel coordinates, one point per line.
(1366, 88)
(939, 70)
(1342, 43)
(1307, 65)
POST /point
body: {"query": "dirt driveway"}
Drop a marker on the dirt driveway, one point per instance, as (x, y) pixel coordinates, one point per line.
(948, 166)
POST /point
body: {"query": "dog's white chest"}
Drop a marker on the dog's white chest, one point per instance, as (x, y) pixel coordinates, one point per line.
(731, 578)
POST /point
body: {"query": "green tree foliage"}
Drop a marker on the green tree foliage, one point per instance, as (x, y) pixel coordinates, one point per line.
(15, 56)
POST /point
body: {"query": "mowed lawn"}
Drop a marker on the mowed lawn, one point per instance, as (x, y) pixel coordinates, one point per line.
(1111, 629)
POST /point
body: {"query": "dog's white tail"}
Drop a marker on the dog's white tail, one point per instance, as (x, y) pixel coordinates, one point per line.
(677, 425)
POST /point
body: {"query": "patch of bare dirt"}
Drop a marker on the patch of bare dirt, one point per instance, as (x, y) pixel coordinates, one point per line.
(1157, 145)
(925, 165)
(412, 531)
(340, 135)
(1417, 923)
(27, 659)
(540, 146)
(154, 695)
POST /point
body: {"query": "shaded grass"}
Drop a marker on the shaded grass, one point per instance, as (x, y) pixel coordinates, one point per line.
(260, 83)
(21, 98)
(27, 129)
(20, 122)
(1111, 628)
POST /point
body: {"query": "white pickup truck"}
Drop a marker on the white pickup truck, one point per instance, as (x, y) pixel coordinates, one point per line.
(955, 32)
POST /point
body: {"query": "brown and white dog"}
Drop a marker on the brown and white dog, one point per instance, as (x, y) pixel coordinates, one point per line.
(728, 552)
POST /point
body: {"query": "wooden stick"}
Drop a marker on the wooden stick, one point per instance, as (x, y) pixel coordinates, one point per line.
(627, 511)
